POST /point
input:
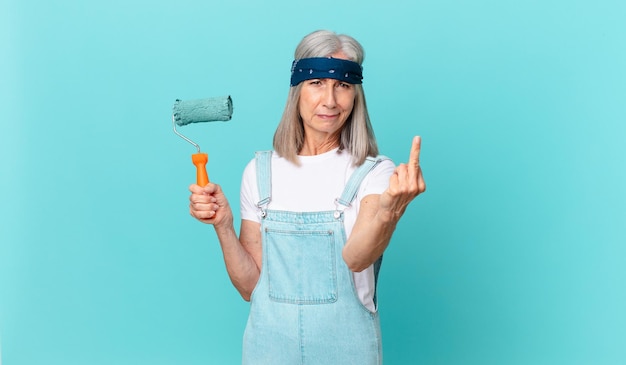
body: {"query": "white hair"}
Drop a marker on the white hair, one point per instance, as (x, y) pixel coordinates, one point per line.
(357, 135)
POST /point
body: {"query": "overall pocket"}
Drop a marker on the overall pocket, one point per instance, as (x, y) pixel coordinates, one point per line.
(301, 266)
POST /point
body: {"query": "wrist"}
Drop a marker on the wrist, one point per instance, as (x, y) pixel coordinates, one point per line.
(224, 228)
(387, 217)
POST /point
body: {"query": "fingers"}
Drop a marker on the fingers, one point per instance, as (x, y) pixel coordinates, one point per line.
(202, 213)
(414, 158)
(203, 202)
(202, 206)
(208, 189)
(421, 184)
(404, 180)
(408, 178)
(201, 194)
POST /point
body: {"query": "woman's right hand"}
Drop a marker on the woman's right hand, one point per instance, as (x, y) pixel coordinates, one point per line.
(209, 205)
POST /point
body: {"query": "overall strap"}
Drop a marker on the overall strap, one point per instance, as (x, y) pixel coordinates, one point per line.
(352, 187)
(264, 178)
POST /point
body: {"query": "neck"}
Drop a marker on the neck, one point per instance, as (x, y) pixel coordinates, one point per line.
(312, 148)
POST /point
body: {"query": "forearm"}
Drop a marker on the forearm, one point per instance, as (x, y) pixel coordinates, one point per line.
(242, 255)
(370, 236)
(240, 264)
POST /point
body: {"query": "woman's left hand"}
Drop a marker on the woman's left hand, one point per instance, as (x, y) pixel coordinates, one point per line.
(405, 184)
(379, 214)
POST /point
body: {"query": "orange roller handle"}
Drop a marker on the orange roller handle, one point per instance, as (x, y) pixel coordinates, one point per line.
(200, 160)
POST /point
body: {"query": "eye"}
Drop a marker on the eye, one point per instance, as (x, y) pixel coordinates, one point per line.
(345, 85)
(315, 82)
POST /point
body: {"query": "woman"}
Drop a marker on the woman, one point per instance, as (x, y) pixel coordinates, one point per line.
(312, 292)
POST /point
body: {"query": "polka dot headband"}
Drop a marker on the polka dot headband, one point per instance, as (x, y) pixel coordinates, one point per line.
(326, 68)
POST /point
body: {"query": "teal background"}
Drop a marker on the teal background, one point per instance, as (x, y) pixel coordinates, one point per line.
(515, 254)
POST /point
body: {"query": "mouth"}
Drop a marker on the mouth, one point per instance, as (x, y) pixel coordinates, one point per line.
(327, 116)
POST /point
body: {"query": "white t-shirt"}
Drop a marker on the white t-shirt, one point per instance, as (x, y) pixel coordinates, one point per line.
(312, 187)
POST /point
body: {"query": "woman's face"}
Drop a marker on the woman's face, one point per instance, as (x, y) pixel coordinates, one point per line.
(325, 105)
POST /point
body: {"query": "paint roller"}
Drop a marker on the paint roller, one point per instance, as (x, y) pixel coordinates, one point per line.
(200, 111)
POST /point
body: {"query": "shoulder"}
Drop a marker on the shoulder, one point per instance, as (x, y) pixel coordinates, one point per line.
(383, 165)
(377, 180)
(250, 168)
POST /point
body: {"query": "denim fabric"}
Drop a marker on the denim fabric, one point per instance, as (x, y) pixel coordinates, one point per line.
(305, 309)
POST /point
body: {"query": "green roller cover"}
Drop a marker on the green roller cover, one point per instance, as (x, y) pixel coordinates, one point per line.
(203, 110)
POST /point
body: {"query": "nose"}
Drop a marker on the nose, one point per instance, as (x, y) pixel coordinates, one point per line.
(330, 100)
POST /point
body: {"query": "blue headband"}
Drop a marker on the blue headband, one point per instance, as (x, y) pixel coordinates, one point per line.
(326, 68)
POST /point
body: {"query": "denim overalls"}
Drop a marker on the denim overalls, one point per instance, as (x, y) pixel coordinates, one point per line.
(304, 308)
